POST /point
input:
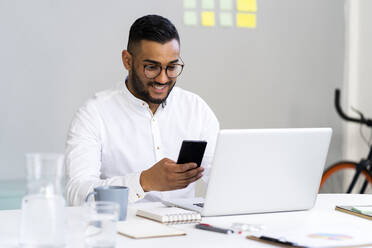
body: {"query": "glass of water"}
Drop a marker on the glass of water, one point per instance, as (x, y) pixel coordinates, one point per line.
(101, 218)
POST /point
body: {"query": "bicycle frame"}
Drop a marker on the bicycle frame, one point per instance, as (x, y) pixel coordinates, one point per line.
(364, 164)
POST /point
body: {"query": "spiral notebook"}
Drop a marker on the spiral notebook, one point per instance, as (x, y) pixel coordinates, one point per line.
(169, 215)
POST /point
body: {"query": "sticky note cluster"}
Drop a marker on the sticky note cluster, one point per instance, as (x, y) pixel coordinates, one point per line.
(224, 13)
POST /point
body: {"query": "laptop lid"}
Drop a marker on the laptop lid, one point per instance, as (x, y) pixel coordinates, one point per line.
(266, 170)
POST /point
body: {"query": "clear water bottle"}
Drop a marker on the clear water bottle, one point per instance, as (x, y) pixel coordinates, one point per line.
(43, 208)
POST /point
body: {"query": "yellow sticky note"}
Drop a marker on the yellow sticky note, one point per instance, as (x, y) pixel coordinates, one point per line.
(208, 18)
(190, 18)
(246, 5)
(246, 20)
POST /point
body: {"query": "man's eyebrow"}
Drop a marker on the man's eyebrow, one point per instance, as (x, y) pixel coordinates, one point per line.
(174, 61)
(151, 61)
(157, 62)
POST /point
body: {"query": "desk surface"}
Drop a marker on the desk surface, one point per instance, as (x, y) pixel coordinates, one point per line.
(322, 214)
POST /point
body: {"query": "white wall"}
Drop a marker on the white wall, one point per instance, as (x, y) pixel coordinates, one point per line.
(358, 83)
(56, 54)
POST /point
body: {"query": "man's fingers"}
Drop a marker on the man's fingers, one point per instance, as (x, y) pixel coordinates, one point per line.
(180, 168)
(184, 183)
(188, 174)
(170, 166)
(192, 179)
(191, 173)
(181, 175)
(169, 162)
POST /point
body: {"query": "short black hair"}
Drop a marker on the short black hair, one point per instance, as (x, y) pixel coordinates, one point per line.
(152, 28)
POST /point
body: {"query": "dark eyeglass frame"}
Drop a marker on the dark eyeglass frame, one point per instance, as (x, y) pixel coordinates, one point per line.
(162, 68)
(166, 70)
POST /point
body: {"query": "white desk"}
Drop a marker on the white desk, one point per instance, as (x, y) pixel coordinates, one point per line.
(322, 213)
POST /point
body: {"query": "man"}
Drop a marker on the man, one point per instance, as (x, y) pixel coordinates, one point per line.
(131, 135)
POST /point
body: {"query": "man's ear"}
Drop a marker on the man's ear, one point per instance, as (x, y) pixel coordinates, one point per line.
(127, 60)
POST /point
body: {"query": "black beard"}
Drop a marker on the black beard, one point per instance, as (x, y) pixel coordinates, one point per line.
(142, 93)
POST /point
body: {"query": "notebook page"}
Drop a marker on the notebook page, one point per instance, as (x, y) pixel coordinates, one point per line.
(141, 228)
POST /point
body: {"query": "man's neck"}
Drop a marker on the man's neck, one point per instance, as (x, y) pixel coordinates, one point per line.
(153, 107)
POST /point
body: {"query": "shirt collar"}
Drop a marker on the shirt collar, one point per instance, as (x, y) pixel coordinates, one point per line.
(136, 101)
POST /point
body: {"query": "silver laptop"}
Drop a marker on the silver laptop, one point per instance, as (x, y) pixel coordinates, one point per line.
(263, 170)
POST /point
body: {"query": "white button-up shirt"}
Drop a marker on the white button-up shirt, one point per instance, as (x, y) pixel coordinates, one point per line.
(114, 137)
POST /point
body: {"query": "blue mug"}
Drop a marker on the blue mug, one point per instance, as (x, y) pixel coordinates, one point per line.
(117, 194)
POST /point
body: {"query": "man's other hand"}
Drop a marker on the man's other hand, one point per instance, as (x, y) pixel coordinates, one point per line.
(167, 175)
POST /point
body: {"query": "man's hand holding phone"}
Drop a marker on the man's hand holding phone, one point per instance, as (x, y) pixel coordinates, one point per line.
(167, 175)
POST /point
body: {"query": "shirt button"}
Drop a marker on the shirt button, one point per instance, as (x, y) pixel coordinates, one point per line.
(138, 195)
(158, 148)
(153, 120)
(143, 104)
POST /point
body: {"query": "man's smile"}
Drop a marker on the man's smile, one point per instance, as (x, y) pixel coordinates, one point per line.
(159, 88)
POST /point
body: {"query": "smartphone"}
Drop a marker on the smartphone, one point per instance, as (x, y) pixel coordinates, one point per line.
(192, 151)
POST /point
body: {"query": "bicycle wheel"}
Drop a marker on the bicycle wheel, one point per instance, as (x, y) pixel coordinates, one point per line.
(338, 177)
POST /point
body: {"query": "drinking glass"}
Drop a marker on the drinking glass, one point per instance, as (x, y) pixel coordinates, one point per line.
(101, 217)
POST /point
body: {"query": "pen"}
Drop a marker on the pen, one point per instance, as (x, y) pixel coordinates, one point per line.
(208, 227)
(276, 241)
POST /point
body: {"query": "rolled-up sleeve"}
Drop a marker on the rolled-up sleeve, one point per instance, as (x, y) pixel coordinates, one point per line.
(83, 159)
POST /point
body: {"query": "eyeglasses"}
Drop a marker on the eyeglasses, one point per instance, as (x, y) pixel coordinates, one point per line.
(151, 71)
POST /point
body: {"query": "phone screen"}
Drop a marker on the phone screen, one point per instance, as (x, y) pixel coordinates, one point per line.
(192, 151)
